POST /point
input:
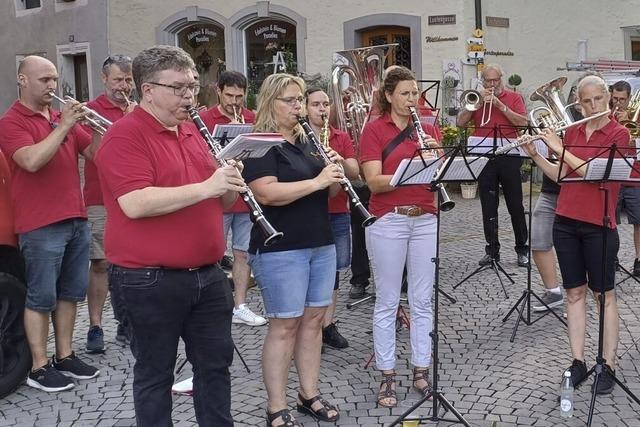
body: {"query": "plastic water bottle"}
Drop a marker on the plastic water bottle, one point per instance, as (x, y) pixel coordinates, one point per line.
(566, 396)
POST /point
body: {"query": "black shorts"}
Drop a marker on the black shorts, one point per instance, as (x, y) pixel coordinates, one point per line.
(579, 248)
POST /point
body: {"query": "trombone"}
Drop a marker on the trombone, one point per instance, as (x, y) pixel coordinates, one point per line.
(471, 99)
(95, 120)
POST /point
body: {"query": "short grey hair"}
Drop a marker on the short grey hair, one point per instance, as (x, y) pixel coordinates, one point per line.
(592, 81)
(494, 67)
(121, 61)
(155, 59)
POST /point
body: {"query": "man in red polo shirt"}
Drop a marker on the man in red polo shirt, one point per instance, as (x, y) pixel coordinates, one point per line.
(231, 88)
(113, 104)
(508, 110)
(42, 147)
(164, 198)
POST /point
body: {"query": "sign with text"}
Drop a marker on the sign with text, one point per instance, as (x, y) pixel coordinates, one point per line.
(494, 21)
(442, 20)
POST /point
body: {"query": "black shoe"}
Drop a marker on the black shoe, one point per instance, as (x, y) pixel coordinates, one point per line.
(578, 371)
(95, 340)
(636, 267)
(606, 383)
(49, 379)
(332, 338)
(122, 336)
(73, 367)
(486, 259)
(523, 260)
(357, 291)
(226, 262)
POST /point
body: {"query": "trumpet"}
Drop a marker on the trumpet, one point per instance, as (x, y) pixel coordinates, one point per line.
(446, 204)
(237, 116)
(471, 99)
(346, 185)
(270, 233)
(524, 139)
(95, 120)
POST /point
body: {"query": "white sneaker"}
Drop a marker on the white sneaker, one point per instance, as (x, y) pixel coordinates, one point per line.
(183, 387)
(243, 314)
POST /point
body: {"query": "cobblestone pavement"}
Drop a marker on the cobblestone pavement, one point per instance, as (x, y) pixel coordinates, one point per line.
(490, 380)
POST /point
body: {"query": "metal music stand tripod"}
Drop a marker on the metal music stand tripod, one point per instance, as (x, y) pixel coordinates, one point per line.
(487, 146)
(601, 170)
(414, 173)
(525, 299)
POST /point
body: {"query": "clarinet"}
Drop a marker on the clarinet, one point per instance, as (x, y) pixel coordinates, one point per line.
(346, 185)
(270, 233)
(446, 204)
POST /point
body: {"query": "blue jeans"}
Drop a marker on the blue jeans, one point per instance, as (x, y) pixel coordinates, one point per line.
(57, 263)
(165, 305)
(295, 279)
(341, 227)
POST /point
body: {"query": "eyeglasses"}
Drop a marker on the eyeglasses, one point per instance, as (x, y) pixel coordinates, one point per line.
(180, 90)
(115, 59)
(292, 100)
(496, 81)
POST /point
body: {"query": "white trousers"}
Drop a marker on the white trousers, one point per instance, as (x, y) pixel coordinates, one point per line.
(392, 241)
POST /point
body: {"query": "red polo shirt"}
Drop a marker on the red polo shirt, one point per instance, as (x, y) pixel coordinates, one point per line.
(7, 235)
(341, 143)
(213, 117)
(91, 190)
(584, 201)
(513, 101)
(51, 194)
(375, 137)
(138, 152)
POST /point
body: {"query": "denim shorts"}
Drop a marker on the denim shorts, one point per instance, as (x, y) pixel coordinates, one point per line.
(544, 214)
(240, 225)
(629, 202)
(57, 263)
(295, 279)
(97, 216)
(341, 227)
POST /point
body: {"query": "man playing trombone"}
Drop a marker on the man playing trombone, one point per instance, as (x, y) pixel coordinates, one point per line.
(501, 109)
(113, 104)
(42, 146)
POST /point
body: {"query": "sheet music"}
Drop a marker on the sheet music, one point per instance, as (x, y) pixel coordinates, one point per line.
(459, 171)
(413, 171)
(249, 145)
(620, 169)
(230, 130)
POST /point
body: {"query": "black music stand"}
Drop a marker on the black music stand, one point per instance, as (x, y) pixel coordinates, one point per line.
(613, 167)
(525, 299)
(413, 174)
(487, 146)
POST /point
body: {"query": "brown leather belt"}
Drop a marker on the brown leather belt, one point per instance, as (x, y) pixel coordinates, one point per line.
(409, 210)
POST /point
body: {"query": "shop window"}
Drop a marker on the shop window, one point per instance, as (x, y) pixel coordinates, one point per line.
(205, 44)
(270, 48)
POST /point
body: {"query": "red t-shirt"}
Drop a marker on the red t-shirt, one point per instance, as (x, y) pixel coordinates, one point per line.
(51, 194)
(91, 190)
(375, 137)
(7, 235)
(138, 152)
(584, 201)
(506, 129)
(213, 117)
(341, 143)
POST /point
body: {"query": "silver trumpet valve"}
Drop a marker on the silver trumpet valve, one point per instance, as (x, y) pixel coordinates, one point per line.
(97, 122)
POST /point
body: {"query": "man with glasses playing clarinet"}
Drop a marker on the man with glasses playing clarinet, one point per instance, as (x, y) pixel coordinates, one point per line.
(507, 110)
(42, 147)
(113, 104)
(164, 197)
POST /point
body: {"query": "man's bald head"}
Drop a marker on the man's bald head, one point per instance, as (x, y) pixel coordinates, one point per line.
(33, 62)
(37, 77)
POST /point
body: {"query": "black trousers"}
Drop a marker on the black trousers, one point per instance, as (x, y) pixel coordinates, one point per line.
(360, 272)
(506, 172)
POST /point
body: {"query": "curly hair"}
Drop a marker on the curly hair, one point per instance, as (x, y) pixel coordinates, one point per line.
(392, 77)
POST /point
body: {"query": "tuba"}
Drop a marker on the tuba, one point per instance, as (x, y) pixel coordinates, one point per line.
(554, 113)
(354, 80)
(634, 113)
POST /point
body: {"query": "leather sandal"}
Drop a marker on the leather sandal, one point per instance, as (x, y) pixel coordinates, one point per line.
(422, 374)
(322, 414)
(388, 392)
(287, 419)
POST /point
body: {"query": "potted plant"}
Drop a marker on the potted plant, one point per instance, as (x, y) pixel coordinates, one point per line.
(514, 81)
